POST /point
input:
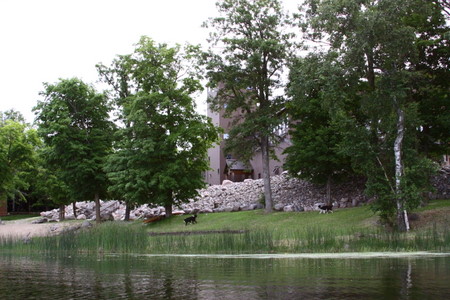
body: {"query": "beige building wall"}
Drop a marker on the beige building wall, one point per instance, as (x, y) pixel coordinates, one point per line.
(217, 157)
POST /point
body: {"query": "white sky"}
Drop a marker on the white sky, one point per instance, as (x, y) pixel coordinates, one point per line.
(44, 40)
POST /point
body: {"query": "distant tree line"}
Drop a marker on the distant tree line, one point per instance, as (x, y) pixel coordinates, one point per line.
(362, 84)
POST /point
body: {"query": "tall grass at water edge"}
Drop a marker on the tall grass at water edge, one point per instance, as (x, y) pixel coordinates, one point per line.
(111, 237)
(120, 238)
(308, 240)
(349, 230)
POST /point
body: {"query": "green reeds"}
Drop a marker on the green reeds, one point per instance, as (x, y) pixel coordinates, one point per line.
(124, 238)
(110, 237)
(308, 240)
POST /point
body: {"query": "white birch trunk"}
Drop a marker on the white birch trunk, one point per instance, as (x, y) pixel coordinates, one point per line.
(402, 216)
(97, 208)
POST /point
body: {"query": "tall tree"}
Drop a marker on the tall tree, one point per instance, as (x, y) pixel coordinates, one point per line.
(161, 150)
(74, 123)
(18, 145)
(252, 49)
(376, 45)
(118, 76)
(314, 154)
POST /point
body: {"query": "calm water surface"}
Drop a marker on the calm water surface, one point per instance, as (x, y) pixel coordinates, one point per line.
(190, 277)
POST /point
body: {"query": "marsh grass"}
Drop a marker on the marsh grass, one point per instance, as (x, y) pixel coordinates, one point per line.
(308, 240)
(111, 237)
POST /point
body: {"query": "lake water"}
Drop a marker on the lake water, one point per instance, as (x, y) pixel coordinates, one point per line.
(414, 276)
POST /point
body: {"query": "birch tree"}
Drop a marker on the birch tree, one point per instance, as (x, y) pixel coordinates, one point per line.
(375, 96)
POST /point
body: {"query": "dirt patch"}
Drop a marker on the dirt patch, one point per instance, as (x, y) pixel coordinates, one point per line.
(26, 229)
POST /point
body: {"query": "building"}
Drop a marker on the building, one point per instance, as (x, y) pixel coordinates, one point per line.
(3, 209)
(225, 166)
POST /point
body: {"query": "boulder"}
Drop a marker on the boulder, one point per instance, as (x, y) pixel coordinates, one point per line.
(86, 224)
(227, 182)
(298, 208)
(40, 221)
(288, 208)
(278, 207)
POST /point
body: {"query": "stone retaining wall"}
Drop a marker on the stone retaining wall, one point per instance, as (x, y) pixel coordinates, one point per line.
(289, 194)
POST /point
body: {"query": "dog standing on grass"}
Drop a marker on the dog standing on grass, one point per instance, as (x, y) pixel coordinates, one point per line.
(192, 220)
(325, 209)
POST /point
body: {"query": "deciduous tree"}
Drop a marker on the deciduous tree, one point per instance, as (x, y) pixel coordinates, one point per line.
(18, 145)
(314, 154)
(377, 46)
(249, 49)
(74, 123)
(161, 151)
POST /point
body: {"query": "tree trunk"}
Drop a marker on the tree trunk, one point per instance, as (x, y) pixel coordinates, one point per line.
(329, 190)
(370, 69)
(74, 205)
(402, 216)
(168, 208)
(97, 208)
(127, 211)
(168, 204)
(266, 174)
(62, 212)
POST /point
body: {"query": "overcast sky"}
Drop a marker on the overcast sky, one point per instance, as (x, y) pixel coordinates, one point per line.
(44, 40)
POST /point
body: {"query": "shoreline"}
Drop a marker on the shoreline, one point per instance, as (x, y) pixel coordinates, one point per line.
(22, 229)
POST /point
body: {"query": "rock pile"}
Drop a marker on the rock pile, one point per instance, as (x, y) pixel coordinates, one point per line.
(289, 194)
(441, 184)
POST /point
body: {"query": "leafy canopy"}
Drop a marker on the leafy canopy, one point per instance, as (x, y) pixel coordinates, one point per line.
(74, 123)
(161, 150)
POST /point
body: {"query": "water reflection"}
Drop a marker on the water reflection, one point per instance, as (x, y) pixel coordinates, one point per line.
(140, 277)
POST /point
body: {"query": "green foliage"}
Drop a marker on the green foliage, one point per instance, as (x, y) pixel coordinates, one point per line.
(49, 187)
(246, 72)
(73, 122)
(385, 58)
(17, 157)
(161, 151)
(314, 153)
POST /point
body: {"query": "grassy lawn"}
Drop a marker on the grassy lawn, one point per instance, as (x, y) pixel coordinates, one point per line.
(343, 219)
(17, 217)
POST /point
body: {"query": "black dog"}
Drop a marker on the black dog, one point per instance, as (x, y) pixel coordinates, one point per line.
(325, 209)
(191, 220)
